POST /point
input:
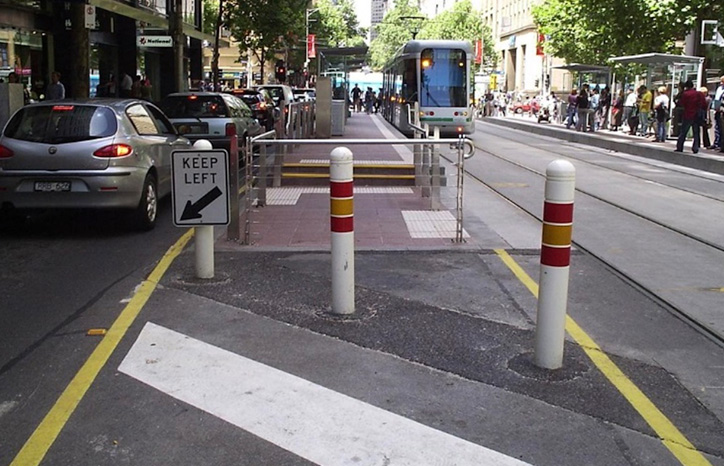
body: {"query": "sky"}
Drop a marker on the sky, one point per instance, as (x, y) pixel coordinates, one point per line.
(363, 9)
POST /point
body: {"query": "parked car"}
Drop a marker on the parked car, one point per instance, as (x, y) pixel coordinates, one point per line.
(261, 104)
(282, 95)
(214, 116)
(304, 94)
(86, 154)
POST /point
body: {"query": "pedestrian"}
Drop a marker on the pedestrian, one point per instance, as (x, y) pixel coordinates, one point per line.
(629, 104)
(571, 109)
(661, 110)
(56, 90)
(605, 106)
(582, 109)
(369, 100)
(694, 106)
(594, 105)
(718, 108)
(645, 101)
(126, 85)
(705, 140)
(356, 98)
(146, 89)
(136, 87)
(617, 111)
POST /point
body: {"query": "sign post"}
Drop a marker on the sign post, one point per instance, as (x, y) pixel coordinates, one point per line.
(200, 194)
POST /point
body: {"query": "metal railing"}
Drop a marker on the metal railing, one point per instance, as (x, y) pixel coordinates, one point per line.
(264, 172)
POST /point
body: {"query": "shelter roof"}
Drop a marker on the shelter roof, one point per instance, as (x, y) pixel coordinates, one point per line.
(658, 59)
(582, 68)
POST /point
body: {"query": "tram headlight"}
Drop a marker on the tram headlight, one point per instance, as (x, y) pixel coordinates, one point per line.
(426, 63)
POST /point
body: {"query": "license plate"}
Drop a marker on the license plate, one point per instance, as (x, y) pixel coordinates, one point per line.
(52, 186)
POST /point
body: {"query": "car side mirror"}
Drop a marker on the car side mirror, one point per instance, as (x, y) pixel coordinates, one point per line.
(276, 113)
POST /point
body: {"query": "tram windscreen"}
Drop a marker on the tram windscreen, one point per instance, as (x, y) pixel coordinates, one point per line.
(443, 78)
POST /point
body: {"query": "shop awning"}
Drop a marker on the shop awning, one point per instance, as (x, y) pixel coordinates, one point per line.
(152, 19)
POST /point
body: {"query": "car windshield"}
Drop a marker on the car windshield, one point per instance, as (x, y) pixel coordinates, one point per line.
(194, 106)
(56, 124)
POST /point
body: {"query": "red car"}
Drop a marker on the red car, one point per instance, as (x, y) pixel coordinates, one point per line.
(530, 106)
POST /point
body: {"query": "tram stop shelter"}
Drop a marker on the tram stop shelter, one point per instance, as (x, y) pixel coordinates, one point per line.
(664, 69)
(679, 67)
(332, 105)
(595, 74)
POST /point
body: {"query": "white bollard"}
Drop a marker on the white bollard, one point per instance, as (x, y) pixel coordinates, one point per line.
(555, 264)
(204, 236)
(341, 191)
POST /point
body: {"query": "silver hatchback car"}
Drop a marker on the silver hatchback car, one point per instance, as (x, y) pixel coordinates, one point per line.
(213, 116)
(87, 154)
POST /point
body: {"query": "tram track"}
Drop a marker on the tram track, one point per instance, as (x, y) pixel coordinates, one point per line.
(672, 308)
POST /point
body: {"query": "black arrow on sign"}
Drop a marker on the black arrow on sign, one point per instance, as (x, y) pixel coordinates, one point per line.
(191, 211)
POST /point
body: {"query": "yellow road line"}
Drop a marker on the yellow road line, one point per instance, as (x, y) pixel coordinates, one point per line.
(669, 434)
(45, 434)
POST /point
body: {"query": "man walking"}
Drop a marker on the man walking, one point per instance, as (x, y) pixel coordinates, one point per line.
(694, 104)
(56, 90)
(356, 98)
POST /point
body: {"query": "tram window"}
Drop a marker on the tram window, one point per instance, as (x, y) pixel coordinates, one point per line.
(442, 79)
(409, 81)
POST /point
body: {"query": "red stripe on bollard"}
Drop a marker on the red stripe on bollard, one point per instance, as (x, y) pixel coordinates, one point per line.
(555, 257)
(342, 224)
(341, 188)
(557, 213)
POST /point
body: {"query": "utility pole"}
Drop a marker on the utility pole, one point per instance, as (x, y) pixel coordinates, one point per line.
(178, 43)
(80, 62)
(215, 60)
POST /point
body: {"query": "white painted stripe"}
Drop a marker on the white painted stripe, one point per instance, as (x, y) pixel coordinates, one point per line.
(290, 195)
(404, 151)
(431, 224)
(356, 162)
(313, 422)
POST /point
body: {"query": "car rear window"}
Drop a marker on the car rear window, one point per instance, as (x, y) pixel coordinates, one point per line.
(252, 99)
(194, 106)
(56, 124)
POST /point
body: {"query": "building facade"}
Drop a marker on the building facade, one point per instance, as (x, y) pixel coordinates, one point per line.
(36, 38)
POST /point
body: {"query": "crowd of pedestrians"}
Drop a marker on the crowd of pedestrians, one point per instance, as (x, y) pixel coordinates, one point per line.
(642, 112)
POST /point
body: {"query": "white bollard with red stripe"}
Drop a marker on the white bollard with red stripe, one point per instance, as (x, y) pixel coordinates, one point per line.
(555, 262)
(341, 190)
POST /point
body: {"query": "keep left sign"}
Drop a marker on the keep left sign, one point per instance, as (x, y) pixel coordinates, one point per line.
(200, 187)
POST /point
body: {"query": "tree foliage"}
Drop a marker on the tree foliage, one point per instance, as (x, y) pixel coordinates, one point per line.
(581, 32)
(211, 9)
(462, 22)
(336, 24)
(265, 26)
(392, 33)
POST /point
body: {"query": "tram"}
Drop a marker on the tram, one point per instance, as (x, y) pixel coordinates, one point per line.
(436, 75)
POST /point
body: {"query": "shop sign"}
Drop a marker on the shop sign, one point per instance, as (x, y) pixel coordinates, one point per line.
(154, 41)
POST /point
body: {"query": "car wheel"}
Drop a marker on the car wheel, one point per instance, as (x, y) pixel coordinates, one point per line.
(518, 110)
(145, 214)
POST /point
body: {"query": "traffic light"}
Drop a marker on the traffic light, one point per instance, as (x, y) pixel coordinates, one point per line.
(280, 71)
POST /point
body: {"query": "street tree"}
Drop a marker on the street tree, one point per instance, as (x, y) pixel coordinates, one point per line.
(581, 33)
(462, 22)
(335, 24)
(265, 27)
(393, 32)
